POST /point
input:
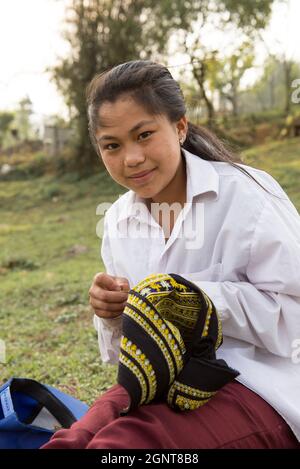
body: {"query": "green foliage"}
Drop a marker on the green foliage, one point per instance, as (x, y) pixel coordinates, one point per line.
(102, 34)
(105, 33)
(212, 69)
(26, 165)
(250, 16)
(230, 71)
(16, 127)
(19, 264)
(52, 190)
(6, 119)
(272, 90)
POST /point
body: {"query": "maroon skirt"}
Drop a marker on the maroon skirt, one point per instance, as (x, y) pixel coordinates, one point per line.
(234, 418)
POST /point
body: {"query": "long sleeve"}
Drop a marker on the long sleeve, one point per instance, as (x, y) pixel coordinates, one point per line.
(265, 311)
(109, 330)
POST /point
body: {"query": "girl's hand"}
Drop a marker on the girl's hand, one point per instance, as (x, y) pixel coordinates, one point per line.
(108, 295)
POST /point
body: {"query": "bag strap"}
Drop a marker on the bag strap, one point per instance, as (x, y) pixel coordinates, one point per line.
(40, 393)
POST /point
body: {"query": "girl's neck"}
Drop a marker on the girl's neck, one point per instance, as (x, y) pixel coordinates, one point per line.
(175, 192)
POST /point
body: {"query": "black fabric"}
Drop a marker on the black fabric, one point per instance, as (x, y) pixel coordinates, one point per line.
(171, 331)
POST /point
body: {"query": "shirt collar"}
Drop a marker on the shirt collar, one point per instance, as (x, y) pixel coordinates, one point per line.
(201, 178)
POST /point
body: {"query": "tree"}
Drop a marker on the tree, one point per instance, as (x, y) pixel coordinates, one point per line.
(246, 18)
(272, 90)
(230, 71)
(6, 119)
(103, 33)
(291, 72)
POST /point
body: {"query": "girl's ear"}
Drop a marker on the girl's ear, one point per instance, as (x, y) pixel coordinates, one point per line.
(182, 127)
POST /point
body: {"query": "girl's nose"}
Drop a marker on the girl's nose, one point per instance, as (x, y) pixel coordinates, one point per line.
(134, 155)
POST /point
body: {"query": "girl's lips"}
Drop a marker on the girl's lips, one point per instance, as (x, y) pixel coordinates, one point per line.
(142, 173)
(144, 176)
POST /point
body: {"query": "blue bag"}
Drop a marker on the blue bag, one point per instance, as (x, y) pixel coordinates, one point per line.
(30, 413)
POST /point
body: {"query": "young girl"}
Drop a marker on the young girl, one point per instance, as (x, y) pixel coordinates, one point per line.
(193, 209)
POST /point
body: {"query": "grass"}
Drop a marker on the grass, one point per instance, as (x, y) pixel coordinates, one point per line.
(45, 318)
(282, 160)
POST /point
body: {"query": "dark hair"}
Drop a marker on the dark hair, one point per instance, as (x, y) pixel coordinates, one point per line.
(152, 85)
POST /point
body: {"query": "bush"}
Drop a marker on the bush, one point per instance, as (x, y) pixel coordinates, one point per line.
(19, 264)
(51, 190)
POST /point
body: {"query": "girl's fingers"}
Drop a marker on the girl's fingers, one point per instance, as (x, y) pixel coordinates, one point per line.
(110, 282)
(108, 307)
(122, 283)
(108, 296)
(107, 314)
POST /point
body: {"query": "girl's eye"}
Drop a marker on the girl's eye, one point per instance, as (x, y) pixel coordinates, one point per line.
(144, 135)
(115, 146)
(111, 146)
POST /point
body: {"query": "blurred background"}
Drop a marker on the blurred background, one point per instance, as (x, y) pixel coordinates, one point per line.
(238, 63)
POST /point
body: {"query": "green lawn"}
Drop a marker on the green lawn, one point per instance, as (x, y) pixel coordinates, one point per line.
(45, 318)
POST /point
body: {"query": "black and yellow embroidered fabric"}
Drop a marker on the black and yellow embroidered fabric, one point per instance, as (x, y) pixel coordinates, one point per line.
(171, 331)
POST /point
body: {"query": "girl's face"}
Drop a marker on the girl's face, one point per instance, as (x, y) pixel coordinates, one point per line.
(132, 141)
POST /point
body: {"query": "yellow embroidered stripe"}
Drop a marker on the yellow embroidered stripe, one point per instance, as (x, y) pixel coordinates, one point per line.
(175, 350)
(146, 366)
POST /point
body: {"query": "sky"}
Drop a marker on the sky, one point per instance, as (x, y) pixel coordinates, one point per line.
(31, 41)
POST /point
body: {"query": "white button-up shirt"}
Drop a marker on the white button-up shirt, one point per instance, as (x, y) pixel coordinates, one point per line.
(242, 247)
